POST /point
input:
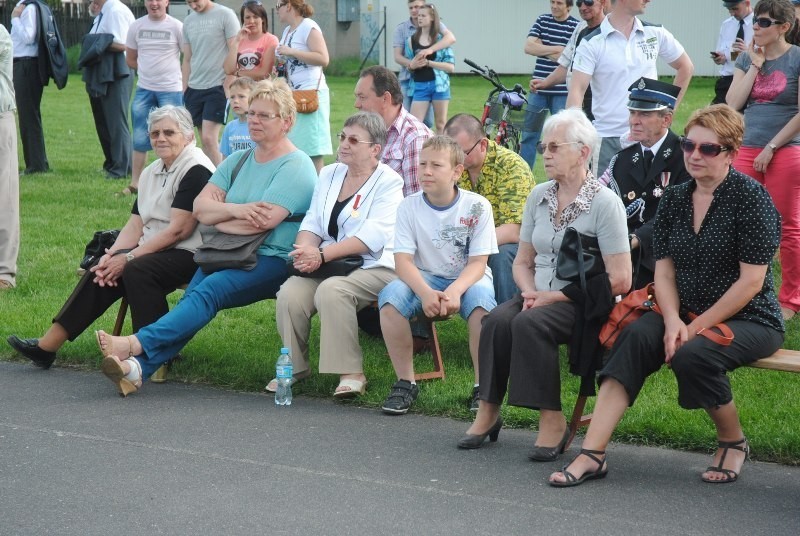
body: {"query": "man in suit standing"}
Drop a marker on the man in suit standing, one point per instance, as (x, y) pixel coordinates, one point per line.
(110, 110)
(28, 85)
(653, 162)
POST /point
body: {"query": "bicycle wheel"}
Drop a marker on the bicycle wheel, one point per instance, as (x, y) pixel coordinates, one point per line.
(513, 139)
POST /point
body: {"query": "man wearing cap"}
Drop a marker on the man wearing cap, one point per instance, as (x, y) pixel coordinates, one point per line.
(642, 172)
(735, 34)
(622, 50)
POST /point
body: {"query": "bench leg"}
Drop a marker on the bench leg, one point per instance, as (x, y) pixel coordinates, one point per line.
(436, 353)
(578, 419)
(123, 311)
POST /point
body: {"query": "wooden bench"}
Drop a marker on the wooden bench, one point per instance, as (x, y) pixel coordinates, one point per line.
(782, 360)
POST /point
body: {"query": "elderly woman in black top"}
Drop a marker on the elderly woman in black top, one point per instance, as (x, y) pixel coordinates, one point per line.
(714, 240)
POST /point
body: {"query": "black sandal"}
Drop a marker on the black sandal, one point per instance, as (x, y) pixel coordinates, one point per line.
(731, 475)
(601, 472)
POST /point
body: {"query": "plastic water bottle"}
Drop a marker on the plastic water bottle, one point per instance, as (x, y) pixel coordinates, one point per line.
(283, 373)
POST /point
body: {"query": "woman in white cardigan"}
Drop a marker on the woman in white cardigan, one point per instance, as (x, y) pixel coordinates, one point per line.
(352, 213)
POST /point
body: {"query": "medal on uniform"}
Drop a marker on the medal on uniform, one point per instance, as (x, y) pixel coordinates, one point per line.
(631, 195)
(658, 191)
(354, 212)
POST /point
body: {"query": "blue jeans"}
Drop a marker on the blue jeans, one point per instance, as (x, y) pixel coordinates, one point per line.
(502, 278)
(143, 103)
(401, 297)
(206, 295)
(531, 133)
(407, 104)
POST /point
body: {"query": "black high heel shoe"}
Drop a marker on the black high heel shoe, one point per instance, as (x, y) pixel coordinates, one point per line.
(470, 441)
(549, 454)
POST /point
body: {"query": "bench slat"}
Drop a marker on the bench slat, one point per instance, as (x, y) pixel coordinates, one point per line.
(784, 360)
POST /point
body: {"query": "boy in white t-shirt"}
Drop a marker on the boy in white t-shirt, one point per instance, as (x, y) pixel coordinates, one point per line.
(443, 239)
(236, 135)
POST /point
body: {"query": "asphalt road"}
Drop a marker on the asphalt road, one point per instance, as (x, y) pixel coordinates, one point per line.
(177, 459)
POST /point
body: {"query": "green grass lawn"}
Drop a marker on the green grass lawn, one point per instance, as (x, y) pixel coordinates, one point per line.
(61, 210)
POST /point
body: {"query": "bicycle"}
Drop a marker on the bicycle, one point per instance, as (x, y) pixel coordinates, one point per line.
(504, 113)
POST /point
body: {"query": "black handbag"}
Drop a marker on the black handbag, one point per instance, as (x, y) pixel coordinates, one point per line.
(96, 248)
(336, 267)
(579, 258)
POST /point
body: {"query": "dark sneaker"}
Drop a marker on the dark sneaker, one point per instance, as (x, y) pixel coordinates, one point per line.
(403, 394)
(474, 400)
(30, 349)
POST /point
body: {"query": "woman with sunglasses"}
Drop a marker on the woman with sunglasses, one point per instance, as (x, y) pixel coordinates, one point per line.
(352, 212)
(765, 84)
(252, 53)
(520, 338)
(274, 181)
(714, 239)
(430, 81)
(301, 55)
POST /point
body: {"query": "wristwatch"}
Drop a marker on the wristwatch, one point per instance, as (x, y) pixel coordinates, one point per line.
(129, 256)
(772, 146)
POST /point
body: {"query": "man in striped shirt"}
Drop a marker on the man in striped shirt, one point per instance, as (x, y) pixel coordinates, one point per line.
(546, 40)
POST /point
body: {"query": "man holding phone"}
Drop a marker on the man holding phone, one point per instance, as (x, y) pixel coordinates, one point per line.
(734, 36)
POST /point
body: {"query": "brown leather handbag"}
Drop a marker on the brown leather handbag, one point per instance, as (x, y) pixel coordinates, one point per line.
(637, 303)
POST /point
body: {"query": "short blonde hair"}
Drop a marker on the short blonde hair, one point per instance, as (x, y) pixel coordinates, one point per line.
(275, 90)
(447, 144)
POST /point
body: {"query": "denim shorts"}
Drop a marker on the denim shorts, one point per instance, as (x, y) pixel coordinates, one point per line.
(401, 297)
(206, 105)
(426, 91)
(143, 103)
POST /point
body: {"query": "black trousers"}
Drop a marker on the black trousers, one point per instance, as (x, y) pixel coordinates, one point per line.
(111, 122)
(28, 90)
(700, 366)
(523, 345)
(721, 88)
(145, 283)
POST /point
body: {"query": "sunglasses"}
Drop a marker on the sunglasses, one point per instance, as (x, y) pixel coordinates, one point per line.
(765, 22)
(261, 116)
(155, 134)
(280, 5)
(553, 146)
(589, 3)
(352, 140)
(705, 149)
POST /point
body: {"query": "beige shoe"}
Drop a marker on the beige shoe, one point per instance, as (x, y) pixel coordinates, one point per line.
(159, 376)
(6, 285)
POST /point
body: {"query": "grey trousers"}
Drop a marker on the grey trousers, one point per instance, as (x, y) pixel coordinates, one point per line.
(111, 122)
(337, 300)
(9, 198)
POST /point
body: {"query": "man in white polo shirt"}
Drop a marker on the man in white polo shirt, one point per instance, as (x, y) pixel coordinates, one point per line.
(610, 59)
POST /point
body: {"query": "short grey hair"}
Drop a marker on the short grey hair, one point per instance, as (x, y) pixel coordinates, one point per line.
(576, 125)
(372, 123)
(178, 114)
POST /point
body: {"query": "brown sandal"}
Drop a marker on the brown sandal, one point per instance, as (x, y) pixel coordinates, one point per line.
(730, 475)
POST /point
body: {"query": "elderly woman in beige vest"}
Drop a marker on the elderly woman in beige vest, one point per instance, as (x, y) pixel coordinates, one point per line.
(153, 254)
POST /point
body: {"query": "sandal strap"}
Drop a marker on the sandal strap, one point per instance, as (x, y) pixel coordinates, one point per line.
(730, 473)
(591, 455)
(736, 445)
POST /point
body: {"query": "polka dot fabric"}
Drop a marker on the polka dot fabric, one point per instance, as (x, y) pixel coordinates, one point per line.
(742, 225)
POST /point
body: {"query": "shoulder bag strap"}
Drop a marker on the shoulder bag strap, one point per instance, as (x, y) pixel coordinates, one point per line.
(239, 165)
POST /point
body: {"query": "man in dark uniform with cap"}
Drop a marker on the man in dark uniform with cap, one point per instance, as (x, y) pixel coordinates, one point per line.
(641, 172)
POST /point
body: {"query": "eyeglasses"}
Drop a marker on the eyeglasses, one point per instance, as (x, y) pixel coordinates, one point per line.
(155, 134)
(352, 140)
(553, 146)
(280, 5)
(261, 116)
(589, 3)
(706, 149)
(466, 153)
(766, 22)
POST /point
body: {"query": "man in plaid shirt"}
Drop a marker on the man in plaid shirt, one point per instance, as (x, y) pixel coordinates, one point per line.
(378, 90)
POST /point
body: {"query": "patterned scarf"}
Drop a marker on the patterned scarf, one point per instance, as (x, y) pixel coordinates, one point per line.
(581, 203)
